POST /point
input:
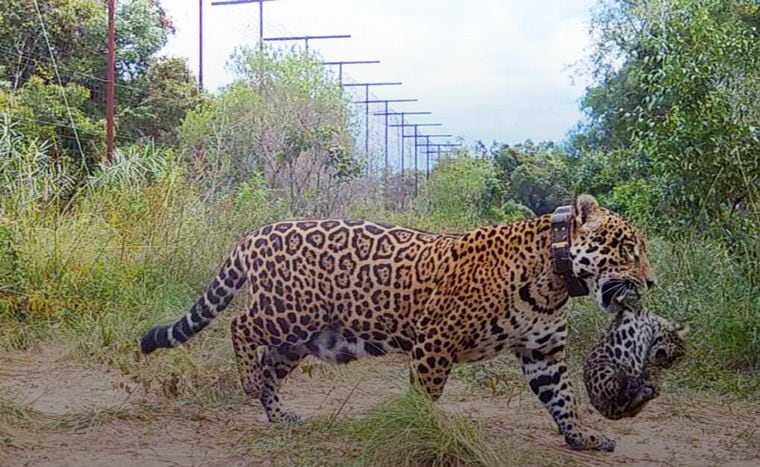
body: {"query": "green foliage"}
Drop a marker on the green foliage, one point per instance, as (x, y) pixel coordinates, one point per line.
(283, 117)
(460, 193)
(138, 241)
(30, 179)
(701, 282)
(143, 29)
(531, 175)
(46, 112)
(134, 167)
(153, 94)
(682, 107)
(76, 30)
(166, 92)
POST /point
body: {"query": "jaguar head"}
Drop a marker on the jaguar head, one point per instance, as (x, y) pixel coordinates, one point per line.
(608, 254)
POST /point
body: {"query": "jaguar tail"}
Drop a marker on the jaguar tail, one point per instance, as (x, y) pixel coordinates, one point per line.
(217, 297)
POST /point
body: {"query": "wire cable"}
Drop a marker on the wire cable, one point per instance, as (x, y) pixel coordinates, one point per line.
(60, 83)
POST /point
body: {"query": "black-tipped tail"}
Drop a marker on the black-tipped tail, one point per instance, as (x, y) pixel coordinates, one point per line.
(216, 298)
(157, 337)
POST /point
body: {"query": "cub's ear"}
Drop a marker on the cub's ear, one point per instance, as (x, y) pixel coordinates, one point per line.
(682, 329)
(585, 206)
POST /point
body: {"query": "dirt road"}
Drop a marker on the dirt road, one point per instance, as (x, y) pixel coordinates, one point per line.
(67, 414)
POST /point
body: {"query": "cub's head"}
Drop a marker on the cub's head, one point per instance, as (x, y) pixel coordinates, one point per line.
(668, 347)
(608, 253)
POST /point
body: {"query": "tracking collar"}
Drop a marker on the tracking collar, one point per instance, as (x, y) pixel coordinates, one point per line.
(562, 224)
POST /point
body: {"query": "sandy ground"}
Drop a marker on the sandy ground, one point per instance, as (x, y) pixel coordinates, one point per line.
(110, 421)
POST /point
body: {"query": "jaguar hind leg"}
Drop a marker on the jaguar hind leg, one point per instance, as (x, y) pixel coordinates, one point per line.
(276, 365)
(261, 377)
(247, 359)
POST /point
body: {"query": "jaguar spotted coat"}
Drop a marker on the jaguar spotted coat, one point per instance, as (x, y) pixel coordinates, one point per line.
(340, 290)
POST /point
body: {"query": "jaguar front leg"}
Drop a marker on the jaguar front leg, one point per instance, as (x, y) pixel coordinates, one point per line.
(430, 370)
(547, 376)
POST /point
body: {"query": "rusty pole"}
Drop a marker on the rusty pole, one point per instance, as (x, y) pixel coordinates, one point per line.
(111, 81)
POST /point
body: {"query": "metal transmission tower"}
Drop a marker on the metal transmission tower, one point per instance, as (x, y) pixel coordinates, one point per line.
(221, 3)
(403, 125)
(386, 113)
(438, 147)
(341, 63)
(427, 145)
(366, 112)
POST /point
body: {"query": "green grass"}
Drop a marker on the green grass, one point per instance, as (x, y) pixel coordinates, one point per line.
(412, 431)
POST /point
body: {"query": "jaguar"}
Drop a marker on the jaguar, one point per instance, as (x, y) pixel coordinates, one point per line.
(342, 289)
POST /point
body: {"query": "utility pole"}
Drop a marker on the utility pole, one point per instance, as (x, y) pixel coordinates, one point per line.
(403, 125)
(449, 147)
(111, 82)
(306, 39)
(366, 113)
(428, 152)
(261, 14)
(200, 45)
(416, 166)
(415, 136)
(341, 63)
(386, 114)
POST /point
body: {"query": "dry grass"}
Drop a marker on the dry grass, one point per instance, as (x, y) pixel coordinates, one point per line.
(412, 431)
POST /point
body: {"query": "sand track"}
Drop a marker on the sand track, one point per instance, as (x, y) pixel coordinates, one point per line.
(93, 416)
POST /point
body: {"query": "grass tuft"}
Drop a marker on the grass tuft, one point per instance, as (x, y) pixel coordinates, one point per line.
(410, 431)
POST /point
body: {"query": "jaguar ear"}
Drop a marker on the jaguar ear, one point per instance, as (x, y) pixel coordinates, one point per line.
(585, 206)
(682, 329)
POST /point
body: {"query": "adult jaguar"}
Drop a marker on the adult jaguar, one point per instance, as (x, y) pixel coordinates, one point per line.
(345, 289)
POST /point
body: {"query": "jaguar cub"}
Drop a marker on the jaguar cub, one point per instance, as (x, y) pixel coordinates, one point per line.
(621, 373)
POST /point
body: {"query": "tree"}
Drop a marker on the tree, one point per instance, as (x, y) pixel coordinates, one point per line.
(283, 117)
(460, 192)
(676, 92)
(153, 93)
(169, 91)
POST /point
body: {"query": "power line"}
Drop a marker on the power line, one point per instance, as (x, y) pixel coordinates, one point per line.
(386, 114)
(306, 39)
(366, 112)
(38, 60)
(342, 63)
(261, 14)
(58, 76)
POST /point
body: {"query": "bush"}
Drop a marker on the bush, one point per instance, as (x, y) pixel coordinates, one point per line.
(298, 135)
(139, 242)
(460, 193)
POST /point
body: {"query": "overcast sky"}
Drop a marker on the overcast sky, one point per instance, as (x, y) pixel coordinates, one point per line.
(487, 69)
